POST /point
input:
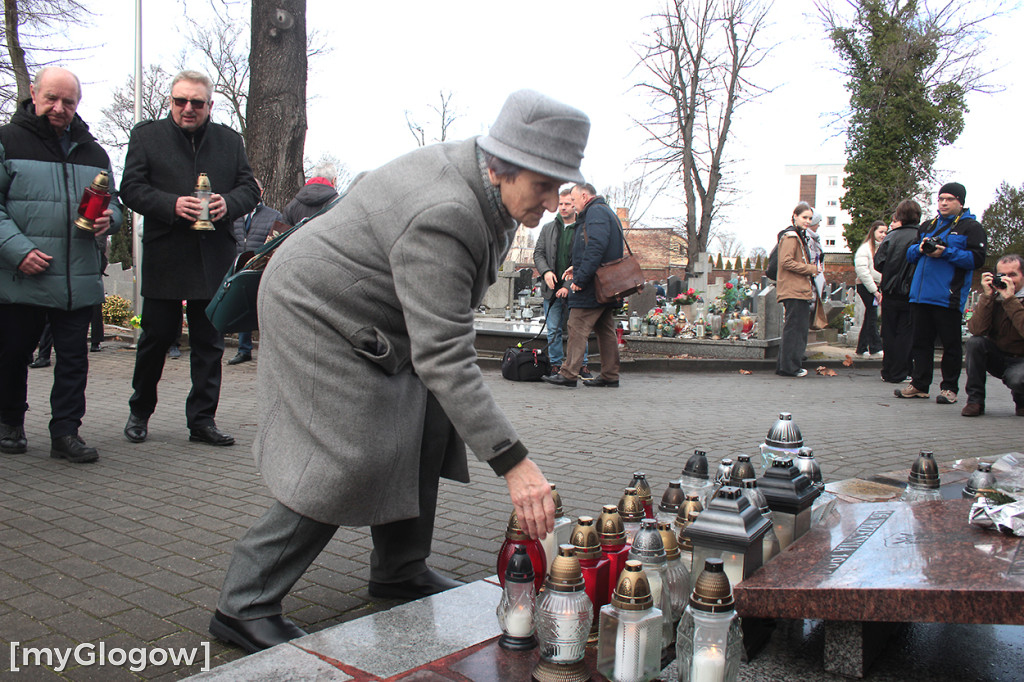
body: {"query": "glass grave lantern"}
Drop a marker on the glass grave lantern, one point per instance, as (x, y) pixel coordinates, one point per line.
(631, 509)
(643, 491)
(709, 643)
(515, 535)
(649, 550)
(564, 617)
(981, 479)
(203, 192)
(730, 529)
(95, 200)
(757, 498)
(629, 635)
(612, 534)
(634, 324)
(783, 440)
(671, 500)
(593, 562)
(695, 479)
(516, 610)
(790, 496)
(923, 481)
(678, 574)
(563, 529)
(743, 468)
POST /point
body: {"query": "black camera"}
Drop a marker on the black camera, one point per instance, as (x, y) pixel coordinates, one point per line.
(931, 244)
(998, 280)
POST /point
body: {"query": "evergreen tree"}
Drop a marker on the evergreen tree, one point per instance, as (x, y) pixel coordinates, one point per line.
(718, 263)
(1004, 223)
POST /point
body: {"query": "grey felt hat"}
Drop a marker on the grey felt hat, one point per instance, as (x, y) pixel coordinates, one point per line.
(539, 134)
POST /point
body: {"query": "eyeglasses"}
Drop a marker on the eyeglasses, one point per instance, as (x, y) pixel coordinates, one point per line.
(197, 104)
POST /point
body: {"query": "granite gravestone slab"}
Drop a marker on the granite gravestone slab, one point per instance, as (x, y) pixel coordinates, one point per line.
(674, 287)
(642, 301)
(769, 314)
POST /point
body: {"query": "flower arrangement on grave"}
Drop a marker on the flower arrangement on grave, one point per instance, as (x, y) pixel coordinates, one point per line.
(688, 297)
(732, 297)
(669, 323)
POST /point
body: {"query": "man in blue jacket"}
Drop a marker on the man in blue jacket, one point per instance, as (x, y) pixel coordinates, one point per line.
(49, 269)
(952, 245)
(598, 240)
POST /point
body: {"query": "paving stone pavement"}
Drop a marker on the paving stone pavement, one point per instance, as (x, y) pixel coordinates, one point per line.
(129, 552)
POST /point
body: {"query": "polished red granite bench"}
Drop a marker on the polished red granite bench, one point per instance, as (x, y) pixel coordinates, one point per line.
(886, 563)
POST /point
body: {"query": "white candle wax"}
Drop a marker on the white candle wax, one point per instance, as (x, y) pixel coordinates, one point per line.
(519, 622)
(629, 658)
(708, 665)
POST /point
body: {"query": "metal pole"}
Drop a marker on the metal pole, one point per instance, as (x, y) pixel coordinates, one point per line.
(137, 218)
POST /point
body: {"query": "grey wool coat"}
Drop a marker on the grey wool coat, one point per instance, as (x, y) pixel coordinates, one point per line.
(365, 313)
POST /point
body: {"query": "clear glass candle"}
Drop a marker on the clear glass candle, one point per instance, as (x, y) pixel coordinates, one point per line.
(629, 634)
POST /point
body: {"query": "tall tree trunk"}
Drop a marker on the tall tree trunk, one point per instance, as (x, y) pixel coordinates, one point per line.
(17, 53)
(275, 135)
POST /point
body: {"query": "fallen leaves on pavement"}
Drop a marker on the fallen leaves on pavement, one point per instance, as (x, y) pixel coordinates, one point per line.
(825, 371)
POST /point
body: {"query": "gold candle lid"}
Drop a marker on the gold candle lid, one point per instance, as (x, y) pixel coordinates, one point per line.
(203, 183)
(610, 530)
(566, 574)
(585, 540)
(101, 183)
(558, 501)
(514, 531)
(685, 543)
(633, 591)
(668, 538)
(630, 506)
(643, 488)
(712, 592)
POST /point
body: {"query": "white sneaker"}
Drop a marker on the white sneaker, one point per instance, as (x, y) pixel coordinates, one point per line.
(801, 373)
(865, 354)
(879, 354)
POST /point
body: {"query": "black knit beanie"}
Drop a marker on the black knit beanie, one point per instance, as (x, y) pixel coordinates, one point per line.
(956, 189)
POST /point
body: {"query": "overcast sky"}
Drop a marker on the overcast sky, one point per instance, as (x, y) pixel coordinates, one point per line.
(387, 57)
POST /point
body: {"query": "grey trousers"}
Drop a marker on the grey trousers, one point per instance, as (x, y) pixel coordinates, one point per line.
(272, 556)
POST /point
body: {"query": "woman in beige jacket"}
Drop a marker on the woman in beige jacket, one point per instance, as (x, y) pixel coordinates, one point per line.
(795, 291)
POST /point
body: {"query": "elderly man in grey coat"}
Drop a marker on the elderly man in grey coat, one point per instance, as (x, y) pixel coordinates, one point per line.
(369, 390)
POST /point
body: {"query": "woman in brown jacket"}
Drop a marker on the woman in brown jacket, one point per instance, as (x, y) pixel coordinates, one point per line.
(795, 291)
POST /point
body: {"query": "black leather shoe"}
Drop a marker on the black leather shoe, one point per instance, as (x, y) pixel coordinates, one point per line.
(240, 358)
(95, 348)
(73, 449)
(423, 585)
(600, 381)
(137, 429)
(559, 380)
(254, 635)
(39, 362)
(210, 434)
(12, 439)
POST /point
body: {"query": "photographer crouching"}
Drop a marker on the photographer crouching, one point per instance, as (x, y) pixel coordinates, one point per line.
(997, 344)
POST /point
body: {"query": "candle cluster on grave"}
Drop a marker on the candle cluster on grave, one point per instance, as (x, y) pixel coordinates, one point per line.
(709, 642)
(719, 529)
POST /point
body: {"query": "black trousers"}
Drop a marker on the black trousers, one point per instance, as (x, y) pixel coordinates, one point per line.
(868, 340)
(95, 334)
(897, 340)
(794, 336)
(931, 322)
(161, 325)
(21, 327)
(984, 357)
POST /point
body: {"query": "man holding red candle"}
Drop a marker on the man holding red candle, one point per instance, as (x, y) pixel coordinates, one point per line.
(49, 269)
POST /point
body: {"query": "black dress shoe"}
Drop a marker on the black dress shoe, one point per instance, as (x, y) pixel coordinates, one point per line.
(73, 449)
(559, 380)
(39, 362)
(601, 381)
(210, 434)
(254, 635)
(12, 439)
(422, 585)
(240, 358)
(137, 429)
(95, 348)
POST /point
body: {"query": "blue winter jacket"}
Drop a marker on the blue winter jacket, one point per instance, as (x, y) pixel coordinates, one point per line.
(945, 281)
(598, 240)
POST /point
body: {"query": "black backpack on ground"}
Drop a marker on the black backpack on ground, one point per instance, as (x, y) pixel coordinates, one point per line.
(525, 364)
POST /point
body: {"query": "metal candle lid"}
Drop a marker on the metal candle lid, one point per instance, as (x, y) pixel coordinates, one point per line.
(514, 531)
(647, 544)
(630, 506)
(520, 568)
(742, 469)
(982, 479)
(712, 592)
(643, 488)
(729, 522)
(784, 433)
(697, 465)
(809, 466)
(203, 183)
(724, 470)
(558, 501)
(672, 498)
(685, 541)
(610, 530)
(566, 574)
(101, 183)
(633, 591)
(668, 538)
(925, 472)
(584, 538)
(786, 488)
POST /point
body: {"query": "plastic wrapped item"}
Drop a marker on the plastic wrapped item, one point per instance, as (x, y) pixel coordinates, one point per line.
(1006, 518)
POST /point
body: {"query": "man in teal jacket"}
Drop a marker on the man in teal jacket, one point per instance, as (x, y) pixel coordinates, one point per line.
(49, 269)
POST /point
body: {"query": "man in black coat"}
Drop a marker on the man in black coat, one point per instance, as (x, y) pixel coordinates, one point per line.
(179, 261)
(598, 240)
(897, 274)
